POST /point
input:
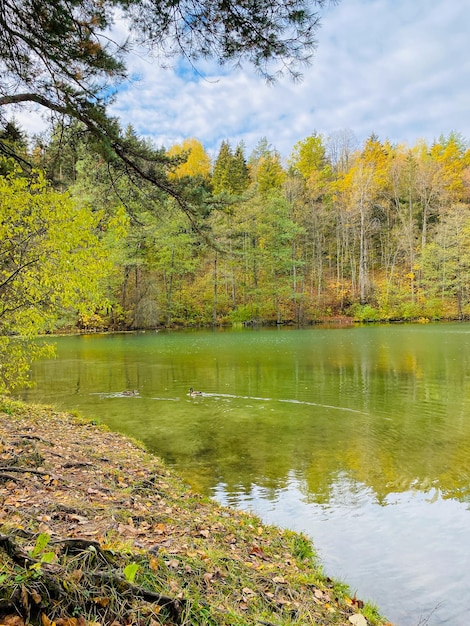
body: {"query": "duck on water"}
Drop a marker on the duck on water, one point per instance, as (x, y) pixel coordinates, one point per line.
(194, 393)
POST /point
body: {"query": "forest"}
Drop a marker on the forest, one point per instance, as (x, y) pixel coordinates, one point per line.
(102, 229)
(337, 230)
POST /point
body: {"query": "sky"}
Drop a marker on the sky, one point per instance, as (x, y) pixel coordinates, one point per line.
(396, 68)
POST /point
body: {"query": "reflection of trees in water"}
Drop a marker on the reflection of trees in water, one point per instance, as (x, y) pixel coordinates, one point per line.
(386, 456)
(400, 420)
(411, 434)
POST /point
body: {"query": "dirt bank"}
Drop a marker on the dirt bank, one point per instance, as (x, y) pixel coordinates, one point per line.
(94, 530)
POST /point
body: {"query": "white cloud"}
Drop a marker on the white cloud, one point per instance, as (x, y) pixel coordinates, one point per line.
(393, 67)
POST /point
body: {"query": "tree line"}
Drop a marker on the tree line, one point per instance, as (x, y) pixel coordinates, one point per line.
(377, 231)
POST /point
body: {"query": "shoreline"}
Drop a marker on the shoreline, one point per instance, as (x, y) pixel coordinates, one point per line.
(95, 530)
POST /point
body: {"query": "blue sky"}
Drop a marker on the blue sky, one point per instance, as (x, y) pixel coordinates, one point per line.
(398, 68)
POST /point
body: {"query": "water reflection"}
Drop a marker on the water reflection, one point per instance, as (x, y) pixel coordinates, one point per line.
(407, 548)
(416, 546)
(358, 436)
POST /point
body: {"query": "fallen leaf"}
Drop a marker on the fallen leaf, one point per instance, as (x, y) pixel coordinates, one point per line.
(66, 621)
(13, 620)
(259, 552)
(159, 529)
(24, 598)
(45, 621)
(279, 580)
(358, 620)
(153, 564)
(78, 518)
(36, 598)
(76, 575)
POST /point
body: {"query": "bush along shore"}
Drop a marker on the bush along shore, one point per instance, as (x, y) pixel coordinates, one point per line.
(96, 531)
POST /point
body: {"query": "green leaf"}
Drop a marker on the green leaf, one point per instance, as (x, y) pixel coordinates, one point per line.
(47, 557)
(130, 572)
(41, 543)
(36, 567)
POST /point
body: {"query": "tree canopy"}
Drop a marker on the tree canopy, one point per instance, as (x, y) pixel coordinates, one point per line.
(60, 55)
(51, 268)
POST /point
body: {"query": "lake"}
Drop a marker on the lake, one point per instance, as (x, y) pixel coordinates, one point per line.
(357, 436)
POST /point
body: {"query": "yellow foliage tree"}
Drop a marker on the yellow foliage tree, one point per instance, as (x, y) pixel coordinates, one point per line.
(52, 267)
(195, 160)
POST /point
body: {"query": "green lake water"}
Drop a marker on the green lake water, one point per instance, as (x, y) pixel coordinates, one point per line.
(360, 437)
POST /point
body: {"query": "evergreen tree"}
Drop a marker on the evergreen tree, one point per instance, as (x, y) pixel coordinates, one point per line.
(230, 173)
(57, 54)
(221, 173)
(13, 146)
(239, 175)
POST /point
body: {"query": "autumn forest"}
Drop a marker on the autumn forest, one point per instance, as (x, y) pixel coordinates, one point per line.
(371, 232)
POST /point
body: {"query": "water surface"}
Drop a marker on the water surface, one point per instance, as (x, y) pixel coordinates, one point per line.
(357, 436)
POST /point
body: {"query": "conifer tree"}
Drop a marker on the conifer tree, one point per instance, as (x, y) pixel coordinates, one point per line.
(221, 174)
(58, 56)
(240, 177)
(230, 173)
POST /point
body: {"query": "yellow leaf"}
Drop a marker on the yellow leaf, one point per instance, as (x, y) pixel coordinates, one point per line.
(67, 621)
(12, 620)
(153, 564)
(159, 528)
